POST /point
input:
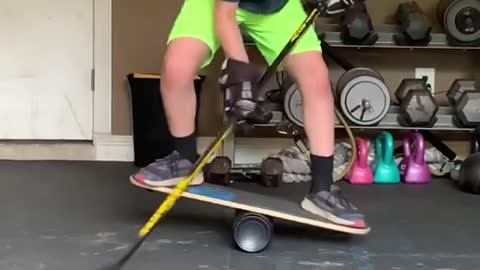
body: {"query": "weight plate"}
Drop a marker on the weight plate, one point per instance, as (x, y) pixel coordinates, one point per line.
(441, 8)
(292, 105)
(360, 87)
(355, 72)
(462, 20)
(365, 100)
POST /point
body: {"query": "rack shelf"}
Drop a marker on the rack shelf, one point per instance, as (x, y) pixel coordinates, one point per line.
(444, 123)
(331, 34)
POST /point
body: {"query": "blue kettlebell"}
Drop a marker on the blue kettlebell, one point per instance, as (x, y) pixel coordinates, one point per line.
(385, 169)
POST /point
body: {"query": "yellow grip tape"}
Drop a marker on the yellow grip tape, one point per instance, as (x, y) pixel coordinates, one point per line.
(182, 186)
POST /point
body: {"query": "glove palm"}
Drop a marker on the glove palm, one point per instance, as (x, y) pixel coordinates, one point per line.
(238, 81)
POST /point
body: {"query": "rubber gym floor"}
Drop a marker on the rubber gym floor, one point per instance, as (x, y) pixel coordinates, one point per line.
(84, 215)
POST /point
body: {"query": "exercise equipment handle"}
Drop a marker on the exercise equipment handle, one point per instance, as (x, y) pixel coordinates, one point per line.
(388, 147)
(419, 148)
(362, 153)
(406, 146)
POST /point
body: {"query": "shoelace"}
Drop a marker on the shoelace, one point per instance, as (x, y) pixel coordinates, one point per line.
(338, 199)
(173, 166)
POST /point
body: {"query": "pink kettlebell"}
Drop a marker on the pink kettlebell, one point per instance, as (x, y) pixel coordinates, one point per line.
(414, 169)
(361, 173)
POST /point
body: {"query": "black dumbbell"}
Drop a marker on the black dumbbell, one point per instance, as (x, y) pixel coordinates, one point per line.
(418, 107)
(414, 25)
(272, 172)
(357, 28)
(465, 100)
(218, 171)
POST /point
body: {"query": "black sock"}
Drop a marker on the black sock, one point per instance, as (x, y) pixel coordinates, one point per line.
(322, 170)
(187, 147)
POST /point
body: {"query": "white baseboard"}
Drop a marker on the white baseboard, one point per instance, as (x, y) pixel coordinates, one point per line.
(113, 147)
(247, 150)
(106, 147)
(15, 150)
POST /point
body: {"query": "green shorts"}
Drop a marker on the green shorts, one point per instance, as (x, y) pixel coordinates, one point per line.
(269, 32)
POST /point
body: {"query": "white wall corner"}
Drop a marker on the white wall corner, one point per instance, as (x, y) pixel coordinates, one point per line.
(102, 100)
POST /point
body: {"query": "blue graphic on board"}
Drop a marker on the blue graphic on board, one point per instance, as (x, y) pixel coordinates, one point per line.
(211, 192)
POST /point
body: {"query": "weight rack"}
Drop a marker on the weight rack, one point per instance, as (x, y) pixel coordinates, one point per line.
(331, 35)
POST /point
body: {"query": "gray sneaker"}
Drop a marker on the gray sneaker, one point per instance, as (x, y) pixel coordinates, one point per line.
(334, 207)
(168, 171)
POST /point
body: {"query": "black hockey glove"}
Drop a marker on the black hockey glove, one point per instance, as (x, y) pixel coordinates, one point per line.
(238, 81)
(332, 7)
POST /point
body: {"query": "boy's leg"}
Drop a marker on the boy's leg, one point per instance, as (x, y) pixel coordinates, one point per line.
(306, 66)
(191, 46)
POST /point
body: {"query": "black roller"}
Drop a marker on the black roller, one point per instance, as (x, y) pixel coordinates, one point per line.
(252, 232)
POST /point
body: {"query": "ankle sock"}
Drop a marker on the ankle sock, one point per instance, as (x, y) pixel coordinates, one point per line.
(322, 173)
(187, 147)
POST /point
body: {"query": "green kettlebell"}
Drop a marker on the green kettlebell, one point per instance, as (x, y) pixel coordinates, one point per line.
(386, 171)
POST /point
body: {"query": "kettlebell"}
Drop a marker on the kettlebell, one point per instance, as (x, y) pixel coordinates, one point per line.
(361, 173)
(386, 170)
(475, 145)
(414, 169)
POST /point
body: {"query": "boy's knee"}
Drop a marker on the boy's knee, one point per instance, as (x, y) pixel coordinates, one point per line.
(312, 76)
(177, 73)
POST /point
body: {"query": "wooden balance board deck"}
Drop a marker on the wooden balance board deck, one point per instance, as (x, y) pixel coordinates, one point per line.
(258, 203)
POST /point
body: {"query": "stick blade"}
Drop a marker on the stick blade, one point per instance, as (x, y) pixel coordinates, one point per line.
(121, 263)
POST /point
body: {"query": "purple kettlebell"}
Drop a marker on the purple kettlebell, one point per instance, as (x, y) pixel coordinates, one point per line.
(413, 168)
(361, 173)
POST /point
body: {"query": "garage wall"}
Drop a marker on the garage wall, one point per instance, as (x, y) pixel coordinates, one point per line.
(140, 30)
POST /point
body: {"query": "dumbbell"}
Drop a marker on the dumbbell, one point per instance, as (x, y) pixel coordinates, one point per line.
(361, 173)
(465, 100)
(417, 104)
(414, 25)
(357, 28)
(385, 169)
(218, 171)
(272, 172)
(461, 21)
(413, 167)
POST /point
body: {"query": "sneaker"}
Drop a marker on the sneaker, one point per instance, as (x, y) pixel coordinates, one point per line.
(334, 207)
(168, 171)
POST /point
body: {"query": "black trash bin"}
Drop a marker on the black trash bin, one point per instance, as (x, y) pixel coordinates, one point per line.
(151, 136)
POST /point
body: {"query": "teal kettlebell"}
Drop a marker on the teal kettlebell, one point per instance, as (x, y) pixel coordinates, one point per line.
(386, 171)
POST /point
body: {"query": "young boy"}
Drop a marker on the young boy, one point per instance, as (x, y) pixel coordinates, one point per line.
(201, 28)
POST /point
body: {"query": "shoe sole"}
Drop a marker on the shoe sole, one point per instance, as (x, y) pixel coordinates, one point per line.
(169, 182)
(312, 208)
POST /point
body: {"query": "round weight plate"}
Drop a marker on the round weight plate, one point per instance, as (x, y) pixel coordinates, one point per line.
(462, 20)
(292, 104)
(441, 8)
(365, 100)
(351, 74)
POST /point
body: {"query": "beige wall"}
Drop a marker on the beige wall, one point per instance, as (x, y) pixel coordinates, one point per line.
(140, 29)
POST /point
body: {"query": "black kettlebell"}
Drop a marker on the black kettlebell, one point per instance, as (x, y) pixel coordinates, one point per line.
(475, 144)
(469, 174)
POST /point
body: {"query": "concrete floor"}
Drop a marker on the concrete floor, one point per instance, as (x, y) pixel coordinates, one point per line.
(83, 215)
